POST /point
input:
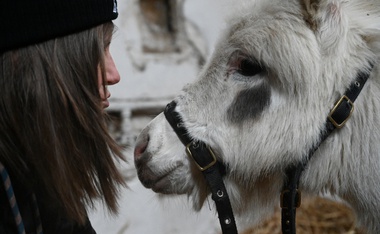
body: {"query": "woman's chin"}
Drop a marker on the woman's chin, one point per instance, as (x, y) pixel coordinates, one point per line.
(105, 104)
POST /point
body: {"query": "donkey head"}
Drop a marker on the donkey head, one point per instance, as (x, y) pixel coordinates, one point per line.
(263, 98)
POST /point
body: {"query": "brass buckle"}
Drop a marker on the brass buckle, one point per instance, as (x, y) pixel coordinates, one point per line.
(343, 98)
(188, 151)
(298, 198)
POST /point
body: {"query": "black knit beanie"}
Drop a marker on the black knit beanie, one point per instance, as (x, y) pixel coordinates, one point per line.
(26, 22)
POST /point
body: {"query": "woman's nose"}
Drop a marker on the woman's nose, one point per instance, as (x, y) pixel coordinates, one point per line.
(112, 74)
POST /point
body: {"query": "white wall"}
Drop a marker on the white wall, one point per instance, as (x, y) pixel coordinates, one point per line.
(141, 210)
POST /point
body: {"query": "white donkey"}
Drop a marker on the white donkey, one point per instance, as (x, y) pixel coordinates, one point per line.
(262, 101)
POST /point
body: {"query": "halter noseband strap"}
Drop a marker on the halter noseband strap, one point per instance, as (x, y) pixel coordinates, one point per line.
(207, 163)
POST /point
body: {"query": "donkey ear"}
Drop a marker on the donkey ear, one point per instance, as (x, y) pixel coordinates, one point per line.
(328, 20)
(310, 10)
(332, 21)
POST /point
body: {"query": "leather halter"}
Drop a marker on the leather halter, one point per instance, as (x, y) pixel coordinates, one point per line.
(213, 170)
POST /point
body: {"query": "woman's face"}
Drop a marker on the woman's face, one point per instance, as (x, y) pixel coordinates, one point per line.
(112, 77)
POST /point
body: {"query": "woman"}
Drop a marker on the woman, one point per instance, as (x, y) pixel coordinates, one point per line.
(55, 67)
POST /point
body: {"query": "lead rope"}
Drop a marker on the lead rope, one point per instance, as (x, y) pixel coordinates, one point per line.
(14, 207)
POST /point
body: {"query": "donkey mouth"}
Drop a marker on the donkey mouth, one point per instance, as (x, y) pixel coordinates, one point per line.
(158, 183)
(162, 185)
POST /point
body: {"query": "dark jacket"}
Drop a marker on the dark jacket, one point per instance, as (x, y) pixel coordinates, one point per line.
(53, 219)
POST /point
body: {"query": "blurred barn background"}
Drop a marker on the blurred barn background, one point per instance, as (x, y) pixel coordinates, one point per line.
(159, 46)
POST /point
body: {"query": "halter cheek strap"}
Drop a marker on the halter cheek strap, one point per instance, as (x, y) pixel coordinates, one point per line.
(212, 170)
(338, 116)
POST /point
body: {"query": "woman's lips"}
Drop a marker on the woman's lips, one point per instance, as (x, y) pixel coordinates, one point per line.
(105, 101)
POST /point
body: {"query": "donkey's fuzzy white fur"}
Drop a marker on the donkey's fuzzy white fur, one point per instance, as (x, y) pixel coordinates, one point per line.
(262, 101)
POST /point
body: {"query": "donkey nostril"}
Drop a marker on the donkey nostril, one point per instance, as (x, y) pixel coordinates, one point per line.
(140, 149)
(141, 145)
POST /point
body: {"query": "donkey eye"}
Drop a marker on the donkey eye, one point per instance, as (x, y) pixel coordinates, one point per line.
(249, 68)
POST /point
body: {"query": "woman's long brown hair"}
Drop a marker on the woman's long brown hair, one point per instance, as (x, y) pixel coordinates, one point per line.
(53, 129)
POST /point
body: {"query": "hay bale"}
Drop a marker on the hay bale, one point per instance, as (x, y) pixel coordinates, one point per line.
(316, 215)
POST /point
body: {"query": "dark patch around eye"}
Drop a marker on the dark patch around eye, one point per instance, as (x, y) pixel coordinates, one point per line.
(249, 104)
